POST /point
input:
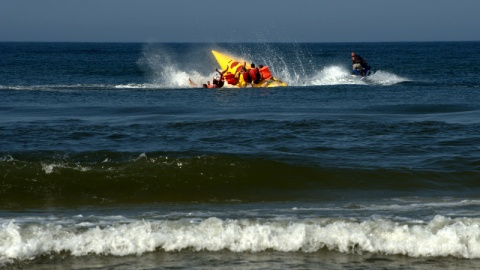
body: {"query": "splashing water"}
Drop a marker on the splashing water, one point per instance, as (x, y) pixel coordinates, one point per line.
(334, 75)
(386, 78)
(165, 72)
(337, 75)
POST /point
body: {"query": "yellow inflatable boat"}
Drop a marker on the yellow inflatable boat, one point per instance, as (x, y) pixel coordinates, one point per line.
(234, 66)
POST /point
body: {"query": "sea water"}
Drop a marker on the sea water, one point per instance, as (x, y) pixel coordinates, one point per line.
(110, 159)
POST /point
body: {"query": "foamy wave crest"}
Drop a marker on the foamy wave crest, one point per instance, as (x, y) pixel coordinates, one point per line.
(7, 158)
(136, 86)
(440, 237)
(386, 78)
(56, 87)
(49, 168)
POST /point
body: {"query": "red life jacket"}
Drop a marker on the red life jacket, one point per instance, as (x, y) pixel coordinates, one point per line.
(230, 78)
(266, 74)
(234, 64)
(255, 75)
(246, 77)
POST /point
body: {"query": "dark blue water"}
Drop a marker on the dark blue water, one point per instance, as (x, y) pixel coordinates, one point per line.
(109, 158)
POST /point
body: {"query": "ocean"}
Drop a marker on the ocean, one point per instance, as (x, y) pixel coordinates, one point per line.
(110, 159)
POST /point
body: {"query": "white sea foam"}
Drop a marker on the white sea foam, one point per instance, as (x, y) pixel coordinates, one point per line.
(335, 75)
(7, 158)
(338, 75)
(135, 86)
(440, 237)
(56, 87)
(386, 78)
(49, 168)
(165, 73)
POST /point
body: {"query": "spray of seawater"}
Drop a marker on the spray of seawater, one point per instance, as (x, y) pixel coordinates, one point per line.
(300, 70)
(386, 78)
(338, 75)
(163, 70)
(333, 75)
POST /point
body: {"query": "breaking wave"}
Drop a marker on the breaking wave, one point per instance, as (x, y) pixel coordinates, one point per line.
(80, 236)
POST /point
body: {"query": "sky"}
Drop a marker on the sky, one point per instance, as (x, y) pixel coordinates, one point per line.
(239, 21)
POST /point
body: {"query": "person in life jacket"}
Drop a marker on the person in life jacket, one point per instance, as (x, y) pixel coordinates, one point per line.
(231, 78)
(208, 85)
(221, 79)
(266, 74)
(245, 74)
(254, 73)
(218, 83)
(222, 73)
(215, 84)
(358, 63)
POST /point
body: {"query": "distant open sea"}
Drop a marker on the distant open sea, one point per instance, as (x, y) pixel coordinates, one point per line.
(110, 159)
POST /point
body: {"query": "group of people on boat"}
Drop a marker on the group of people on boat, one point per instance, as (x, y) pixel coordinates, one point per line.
(250, 75)
(254, 75)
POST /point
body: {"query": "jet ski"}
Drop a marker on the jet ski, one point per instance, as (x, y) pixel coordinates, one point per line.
(367, 71)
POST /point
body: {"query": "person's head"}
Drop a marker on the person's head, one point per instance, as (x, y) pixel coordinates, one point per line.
(252, 65)
(353, 53)
(260, 66)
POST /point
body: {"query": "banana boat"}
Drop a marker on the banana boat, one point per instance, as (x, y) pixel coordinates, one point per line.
(232, 68)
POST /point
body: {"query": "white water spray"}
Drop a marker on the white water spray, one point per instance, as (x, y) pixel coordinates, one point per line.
(165, 72)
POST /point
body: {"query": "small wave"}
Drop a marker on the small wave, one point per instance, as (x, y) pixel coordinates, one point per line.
(49, 168)
(386, 78)
(403, 205)
(440, 237)
(56, 87)
(137, 86)
(123, 178)
(7, 158)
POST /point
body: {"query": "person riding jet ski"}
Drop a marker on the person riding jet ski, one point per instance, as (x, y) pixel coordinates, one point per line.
(360, 66)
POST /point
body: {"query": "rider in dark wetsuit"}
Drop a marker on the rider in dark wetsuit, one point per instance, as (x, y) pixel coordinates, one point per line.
(358, 63)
